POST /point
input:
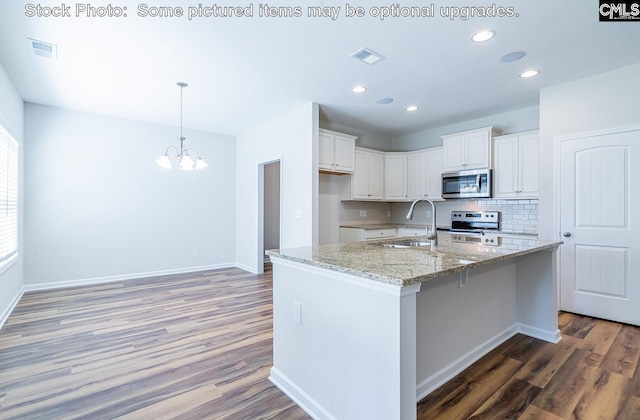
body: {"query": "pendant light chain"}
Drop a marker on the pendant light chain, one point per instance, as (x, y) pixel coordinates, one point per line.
(181, 90)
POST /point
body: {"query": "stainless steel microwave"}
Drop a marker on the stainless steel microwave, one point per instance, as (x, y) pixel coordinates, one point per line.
(467, 184)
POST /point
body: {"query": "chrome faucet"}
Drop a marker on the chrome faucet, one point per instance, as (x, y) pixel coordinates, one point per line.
(432, 235)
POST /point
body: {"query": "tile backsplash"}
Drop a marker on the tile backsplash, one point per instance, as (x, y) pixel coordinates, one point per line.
(519, 216)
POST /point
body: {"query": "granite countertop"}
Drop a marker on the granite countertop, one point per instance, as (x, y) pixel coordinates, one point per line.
(369, 226)
(406, 266)
(445, 228)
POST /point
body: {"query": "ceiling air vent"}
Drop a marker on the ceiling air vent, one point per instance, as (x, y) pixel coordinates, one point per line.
(367, 56)
(44, 49)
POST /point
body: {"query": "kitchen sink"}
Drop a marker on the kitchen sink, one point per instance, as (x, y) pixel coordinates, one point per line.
(407, 243)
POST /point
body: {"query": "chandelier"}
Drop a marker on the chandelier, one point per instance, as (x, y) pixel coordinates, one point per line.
(183, 155)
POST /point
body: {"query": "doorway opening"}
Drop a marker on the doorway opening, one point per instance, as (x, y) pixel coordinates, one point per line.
(270, 185)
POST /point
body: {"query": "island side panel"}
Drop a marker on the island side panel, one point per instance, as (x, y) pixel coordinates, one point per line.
(456, 326)
(537, 295)
(353, 354)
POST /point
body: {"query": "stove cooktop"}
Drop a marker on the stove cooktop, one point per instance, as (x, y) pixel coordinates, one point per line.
(462, 220)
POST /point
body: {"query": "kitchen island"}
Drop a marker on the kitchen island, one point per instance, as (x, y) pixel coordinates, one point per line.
(364, 331)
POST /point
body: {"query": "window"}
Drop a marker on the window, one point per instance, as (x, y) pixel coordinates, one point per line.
(8, 199)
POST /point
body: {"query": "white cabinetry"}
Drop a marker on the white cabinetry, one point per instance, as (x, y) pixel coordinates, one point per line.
(349, 234)
(395, 169)
(516, 165)
(468, 150)
(425, 169)
(356, 234)
(410, 231)
(337, 152)
(367, 181)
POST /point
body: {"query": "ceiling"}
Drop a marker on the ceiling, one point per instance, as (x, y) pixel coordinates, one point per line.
(245, 71)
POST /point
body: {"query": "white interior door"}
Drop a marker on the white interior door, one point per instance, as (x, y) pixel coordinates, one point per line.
(599, 194)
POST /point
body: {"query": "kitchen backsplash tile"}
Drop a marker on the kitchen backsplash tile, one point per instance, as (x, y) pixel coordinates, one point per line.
(519, 216)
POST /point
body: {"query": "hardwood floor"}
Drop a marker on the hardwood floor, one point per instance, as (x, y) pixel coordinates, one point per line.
(199, 346)
(591, 374)
(191, 347)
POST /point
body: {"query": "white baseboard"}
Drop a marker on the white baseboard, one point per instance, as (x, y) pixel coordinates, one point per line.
(441, 377)
(120, 277)
(244, 267)
(535, 332)
(447, 373)
(10, 308)
(304, 401)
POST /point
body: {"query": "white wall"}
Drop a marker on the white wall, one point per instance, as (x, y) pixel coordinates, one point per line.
(98, 207)
(11, 118)
(604, 101)
(510, 122)
(292, 138)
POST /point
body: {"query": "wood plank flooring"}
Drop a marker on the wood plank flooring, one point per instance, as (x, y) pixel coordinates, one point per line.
(199, 346)
(591, 374)
(193, 346)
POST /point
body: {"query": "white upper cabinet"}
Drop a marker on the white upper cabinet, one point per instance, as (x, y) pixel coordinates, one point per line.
(516, 165)
(468, 150)
(395, 169)
(425, 170)
(434, 173)
(367, 181)
(337, 152)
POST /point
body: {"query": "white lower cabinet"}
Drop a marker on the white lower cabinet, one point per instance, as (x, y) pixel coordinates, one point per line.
(358, 234)
(348, 234)
(409, 231)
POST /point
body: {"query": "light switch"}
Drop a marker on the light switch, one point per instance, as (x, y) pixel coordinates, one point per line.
(297, 313)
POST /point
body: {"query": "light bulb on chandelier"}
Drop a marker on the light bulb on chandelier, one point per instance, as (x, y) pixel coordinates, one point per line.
(182, 155)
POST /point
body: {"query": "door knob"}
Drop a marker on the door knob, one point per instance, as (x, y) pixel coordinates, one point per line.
(566, 234)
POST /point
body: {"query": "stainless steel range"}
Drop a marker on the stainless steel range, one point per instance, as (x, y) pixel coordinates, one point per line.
(480, 227)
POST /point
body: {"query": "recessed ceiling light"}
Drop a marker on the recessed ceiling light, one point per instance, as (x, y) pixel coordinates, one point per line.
(384, 101)
(368, 56)
(529, 73)
(358, 89)
(482, 36)
(412, 108)
(512, 56)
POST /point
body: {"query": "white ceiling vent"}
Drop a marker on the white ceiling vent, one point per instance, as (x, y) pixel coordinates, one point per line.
(44, 49)
(367, 56)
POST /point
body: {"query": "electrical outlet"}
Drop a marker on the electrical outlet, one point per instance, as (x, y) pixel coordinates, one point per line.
(195, 252)
(297, 313)
(388, 213)
(298, 214)
(363, 213)
(428, 213)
